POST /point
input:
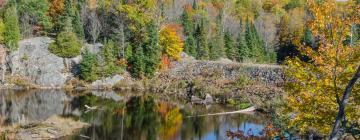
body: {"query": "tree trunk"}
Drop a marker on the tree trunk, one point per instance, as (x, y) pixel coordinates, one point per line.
(344, 102)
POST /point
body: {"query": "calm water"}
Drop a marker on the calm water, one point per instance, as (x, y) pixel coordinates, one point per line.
(121, 116)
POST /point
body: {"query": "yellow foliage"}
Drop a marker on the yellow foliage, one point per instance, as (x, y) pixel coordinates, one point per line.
(315, 87)
(171, 43)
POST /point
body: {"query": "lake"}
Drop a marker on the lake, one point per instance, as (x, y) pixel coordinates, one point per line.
(130, 116)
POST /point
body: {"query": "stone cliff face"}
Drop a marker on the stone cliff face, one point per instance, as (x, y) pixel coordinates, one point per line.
(34, 61)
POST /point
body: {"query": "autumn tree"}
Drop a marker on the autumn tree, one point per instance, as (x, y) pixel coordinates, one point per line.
(56, 9)
(316, 86)
(171, 43)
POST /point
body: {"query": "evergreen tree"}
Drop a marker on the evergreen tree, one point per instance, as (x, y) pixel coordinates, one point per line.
(67, 44)
(254, 43)
(190, 46)
(78, 25)
(229, 46)
(109, 57)
(152, 51)
(187, 23)
(89, 67)
(37, 12)
(12, 31)
(194, 5)
(217, 49)
(138, 64)
(201, 43)
(243, 51)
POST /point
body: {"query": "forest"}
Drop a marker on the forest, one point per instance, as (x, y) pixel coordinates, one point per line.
(142, 36)
(316, 40)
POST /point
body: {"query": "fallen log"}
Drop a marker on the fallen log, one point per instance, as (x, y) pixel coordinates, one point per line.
(247, 110)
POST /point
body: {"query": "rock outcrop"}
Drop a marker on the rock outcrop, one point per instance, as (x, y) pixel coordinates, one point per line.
(34, 61)
(108, 82)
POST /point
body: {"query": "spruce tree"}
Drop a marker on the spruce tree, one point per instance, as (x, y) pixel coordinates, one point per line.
(243, 50)
(254, 43)
(190, 46)
(187, 23)
(217, 49)
(152, 51)
(67, 44)
(138, 64)
(201, 43)
(78, 25)
(109, 57)
(12, 30)
(89, 67)
(229, 46)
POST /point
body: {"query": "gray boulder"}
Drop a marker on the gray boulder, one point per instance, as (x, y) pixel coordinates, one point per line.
(107, 82)
(34, 61)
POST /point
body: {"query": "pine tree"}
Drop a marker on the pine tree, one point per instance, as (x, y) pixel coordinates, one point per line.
(229, 46)
(243, 49)
(217, 49)
(254, 43)
(89, 67)
(12, 31)
(67, 44)
(190, 46)
(201, 43)
(194, 5)
(152, 51)
(187, 23)
(138, 64)
(78, 25)
(109, 57)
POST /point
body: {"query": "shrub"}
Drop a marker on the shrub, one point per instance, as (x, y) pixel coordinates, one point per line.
(67, 45)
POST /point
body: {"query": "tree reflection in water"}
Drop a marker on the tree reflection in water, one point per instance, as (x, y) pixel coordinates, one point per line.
(135, 118)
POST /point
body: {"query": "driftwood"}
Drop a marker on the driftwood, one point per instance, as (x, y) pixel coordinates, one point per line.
(247, 110)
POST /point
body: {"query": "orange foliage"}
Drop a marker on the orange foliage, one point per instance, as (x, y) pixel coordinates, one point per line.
(188, 8)
(165, 62)
(56, 8)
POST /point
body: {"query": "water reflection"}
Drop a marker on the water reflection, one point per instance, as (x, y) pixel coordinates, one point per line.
(132, 118)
